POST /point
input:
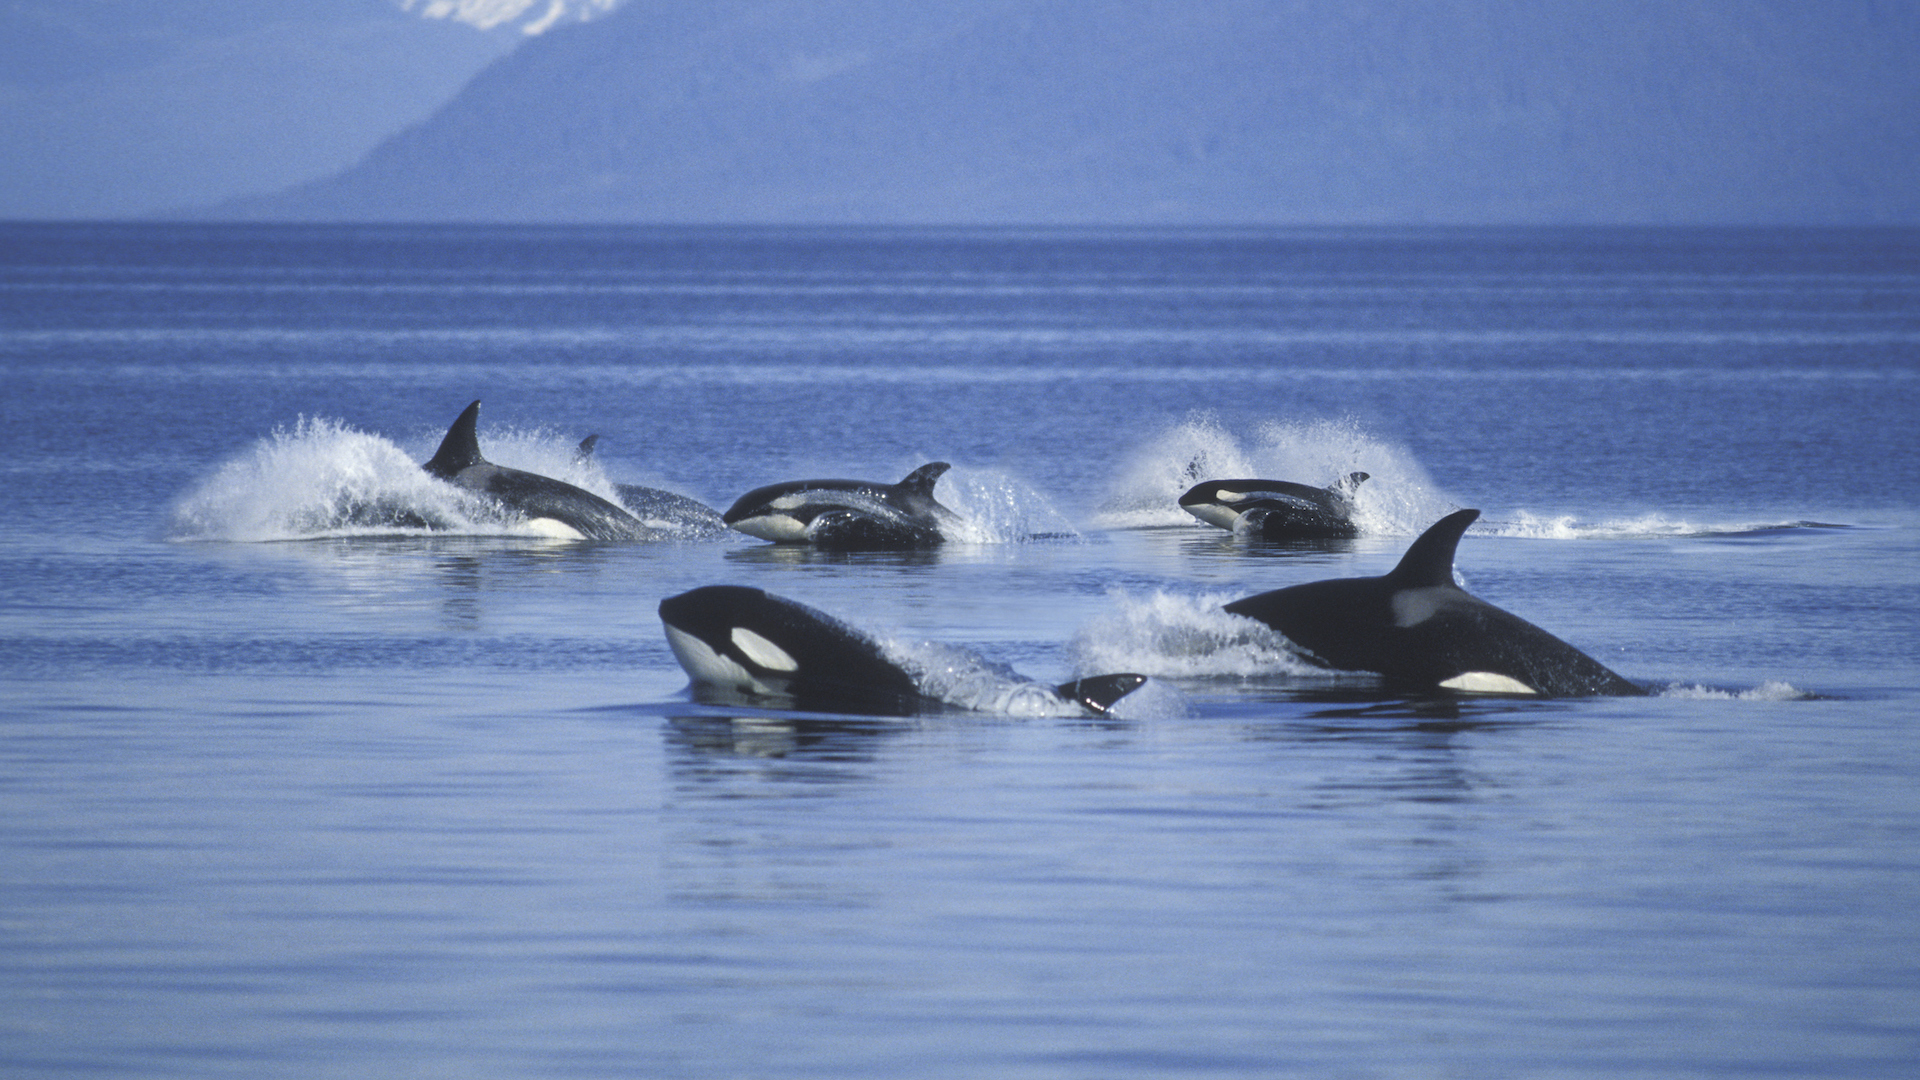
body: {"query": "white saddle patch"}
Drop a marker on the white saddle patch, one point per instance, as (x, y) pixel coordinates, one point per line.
(1411, 607)
(1487, 682)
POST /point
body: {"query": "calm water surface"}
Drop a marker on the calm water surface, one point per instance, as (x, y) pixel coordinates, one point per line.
(280, 797)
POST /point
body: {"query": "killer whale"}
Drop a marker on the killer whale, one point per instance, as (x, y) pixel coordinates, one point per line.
(1276, 509)
(847, 514)
(658, 508)
(739, 641)
(540, 499)
(1416, 628)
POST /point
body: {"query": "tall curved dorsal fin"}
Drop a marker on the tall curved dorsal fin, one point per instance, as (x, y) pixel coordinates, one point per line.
(1429, 561)
(461, 448)
(921, 480)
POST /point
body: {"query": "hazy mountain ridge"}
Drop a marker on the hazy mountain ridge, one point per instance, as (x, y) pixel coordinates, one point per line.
(1166, 112)
(115, 109)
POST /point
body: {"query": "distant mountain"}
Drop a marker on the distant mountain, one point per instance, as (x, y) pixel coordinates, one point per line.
(1170, 111)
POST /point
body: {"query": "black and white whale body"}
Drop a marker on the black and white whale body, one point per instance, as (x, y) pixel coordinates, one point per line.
(658, 508)
(551, 505)
(1276, 509)
(847, 514)
(748, 642)
(1417, 628)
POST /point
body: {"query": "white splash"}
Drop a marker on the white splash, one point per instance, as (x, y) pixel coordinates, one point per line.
(323, 478)
(1530, 526)
(967, 680)
(1174, 636)
(997, 508)
(1397, 499)
(487, 14)
(1771, 690)
(318, 478)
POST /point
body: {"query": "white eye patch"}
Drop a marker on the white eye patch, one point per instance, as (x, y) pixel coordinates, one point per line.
(762, 652)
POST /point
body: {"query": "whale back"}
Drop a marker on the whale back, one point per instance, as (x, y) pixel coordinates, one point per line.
(1414, 626)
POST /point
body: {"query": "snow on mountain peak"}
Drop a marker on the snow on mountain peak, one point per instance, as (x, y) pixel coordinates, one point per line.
(532, 17)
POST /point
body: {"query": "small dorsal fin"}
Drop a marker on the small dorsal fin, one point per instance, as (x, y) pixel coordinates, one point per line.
(584, 452)
(461, 448)
(1429, 562)
(1101, 692)
(1354, 480)
(921, 480)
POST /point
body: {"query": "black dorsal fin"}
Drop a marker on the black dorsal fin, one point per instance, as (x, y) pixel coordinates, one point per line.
(921, 480)
(1101, 692)
(585, 450)
(461, 448)
(1429, 561)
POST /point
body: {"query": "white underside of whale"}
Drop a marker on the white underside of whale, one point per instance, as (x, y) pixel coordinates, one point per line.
(1220, 517)
(1487, 682)
(554, 529)
(779, 528)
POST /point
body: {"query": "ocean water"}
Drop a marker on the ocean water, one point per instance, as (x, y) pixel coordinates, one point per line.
(286, 794)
